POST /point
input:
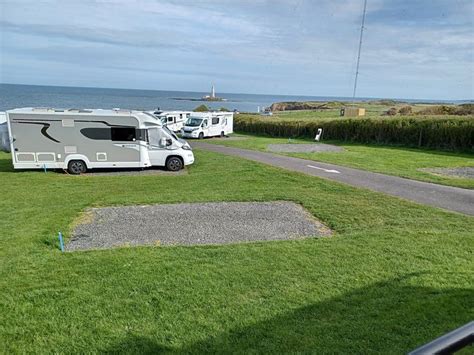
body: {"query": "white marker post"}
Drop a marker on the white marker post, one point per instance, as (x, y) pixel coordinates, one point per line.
(318, 135)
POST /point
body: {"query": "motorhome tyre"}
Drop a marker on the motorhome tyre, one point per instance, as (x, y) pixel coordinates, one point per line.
(174, 163)
(201, 135)
(76, 167)
(222, 134)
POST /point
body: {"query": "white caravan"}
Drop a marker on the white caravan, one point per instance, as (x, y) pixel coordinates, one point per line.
(174, 120)
(78, 140)
(208, 124)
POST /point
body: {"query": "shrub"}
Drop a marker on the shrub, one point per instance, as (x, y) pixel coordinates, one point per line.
(391, 112)
(445, 133)
(224, 109)
(405, 110)
(465, 109)
(438, 110)
(201, 108)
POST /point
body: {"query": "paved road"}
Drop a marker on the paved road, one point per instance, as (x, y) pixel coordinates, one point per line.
(446, 197)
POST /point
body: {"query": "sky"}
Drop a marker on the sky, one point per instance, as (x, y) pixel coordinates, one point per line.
(411, 49)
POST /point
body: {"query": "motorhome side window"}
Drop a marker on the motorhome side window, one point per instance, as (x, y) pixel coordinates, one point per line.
(215, 120)
(122, 134)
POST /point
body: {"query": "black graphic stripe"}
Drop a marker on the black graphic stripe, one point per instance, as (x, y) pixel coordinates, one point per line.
(43, 130)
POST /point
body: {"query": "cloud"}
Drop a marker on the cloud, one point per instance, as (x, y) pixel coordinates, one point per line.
(288, 44)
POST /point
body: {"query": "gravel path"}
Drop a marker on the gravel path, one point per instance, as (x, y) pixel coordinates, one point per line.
(194, 223)
(464, 172)
(447, 197)
(304, 148)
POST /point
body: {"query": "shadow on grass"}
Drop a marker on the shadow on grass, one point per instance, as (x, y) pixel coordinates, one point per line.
(393, 316)
(6, 165)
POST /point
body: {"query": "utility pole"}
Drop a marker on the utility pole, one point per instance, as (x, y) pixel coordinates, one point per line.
(360, 46)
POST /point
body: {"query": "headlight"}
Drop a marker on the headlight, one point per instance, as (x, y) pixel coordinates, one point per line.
(186, 147)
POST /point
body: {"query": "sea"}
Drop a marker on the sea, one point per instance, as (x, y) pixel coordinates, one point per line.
(16, 96)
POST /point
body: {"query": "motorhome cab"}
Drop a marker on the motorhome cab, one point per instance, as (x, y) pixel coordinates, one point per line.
(208, 124)
(78, 140)
(174, 120)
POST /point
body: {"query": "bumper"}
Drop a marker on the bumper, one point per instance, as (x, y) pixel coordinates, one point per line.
(188, 157)
(194, 134)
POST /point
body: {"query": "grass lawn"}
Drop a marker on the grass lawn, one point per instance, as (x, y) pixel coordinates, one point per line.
(394, 276)
(404, 162)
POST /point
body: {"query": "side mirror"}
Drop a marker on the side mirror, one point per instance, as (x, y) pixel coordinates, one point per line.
(169, 142)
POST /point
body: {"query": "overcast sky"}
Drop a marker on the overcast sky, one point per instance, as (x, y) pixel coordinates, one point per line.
(411, 49)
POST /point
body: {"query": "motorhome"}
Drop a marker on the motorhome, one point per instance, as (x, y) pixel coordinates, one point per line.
(208, 124)
(4, 135)
(174, 120)
(78, 140)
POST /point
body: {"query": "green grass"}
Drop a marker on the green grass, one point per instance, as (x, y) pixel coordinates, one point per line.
(394, 276)
(404, 162)
(373, 109)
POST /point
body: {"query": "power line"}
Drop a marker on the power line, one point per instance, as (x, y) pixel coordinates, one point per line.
(360, 46)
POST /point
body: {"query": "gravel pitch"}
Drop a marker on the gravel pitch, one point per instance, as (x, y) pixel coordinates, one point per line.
(194, 223)
(464, 172)
(304, 148)
(140, 172)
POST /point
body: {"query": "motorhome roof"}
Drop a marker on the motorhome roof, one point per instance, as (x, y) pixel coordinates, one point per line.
(74, 111)
(145, 118)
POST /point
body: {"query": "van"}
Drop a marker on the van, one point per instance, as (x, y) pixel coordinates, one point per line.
(208, 124)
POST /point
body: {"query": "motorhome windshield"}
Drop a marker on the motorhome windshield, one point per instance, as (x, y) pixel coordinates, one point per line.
(194, 122)
(167, 130)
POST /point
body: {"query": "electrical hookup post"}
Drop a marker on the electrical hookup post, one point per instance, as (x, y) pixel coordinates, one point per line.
(61, 241)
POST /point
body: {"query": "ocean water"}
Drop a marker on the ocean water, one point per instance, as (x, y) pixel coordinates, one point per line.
(15, 96)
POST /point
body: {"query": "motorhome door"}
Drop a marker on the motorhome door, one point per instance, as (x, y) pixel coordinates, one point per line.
(157, 151)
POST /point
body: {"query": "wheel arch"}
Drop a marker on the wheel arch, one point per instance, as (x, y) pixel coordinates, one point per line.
(77, 157)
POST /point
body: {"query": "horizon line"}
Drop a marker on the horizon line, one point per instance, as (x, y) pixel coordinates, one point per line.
(241, 93)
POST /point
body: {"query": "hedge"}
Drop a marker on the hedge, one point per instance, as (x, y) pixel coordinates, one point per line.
(437, 133)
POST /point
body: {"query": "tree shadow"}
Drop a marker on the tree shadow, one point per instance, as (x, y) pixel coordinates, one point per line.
(387, 317)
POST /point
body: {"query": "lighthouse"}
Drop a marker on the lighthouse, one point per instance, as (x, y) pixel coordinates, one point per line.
(213, 92)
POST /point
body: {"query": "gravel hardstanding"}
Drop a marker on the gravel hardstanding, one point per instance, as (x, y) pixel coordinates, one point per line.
(194, 223)
(462, 172)
(304, 148)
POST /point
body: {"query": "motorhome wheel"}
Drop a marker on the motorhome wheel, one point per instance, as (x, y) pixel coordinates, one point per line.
(201, 135)
(222, 134)
(76, 167)
(174, 164)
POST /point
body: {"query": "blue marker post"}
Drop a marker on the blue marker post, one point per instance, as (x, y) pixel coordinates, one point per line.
(61, 242)
(44, 167)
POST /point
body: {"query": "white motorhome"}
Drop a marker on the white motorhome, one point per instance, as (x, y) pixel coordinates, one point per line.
(4, 140)
(208, 124)
(78, 140)
(174, 120)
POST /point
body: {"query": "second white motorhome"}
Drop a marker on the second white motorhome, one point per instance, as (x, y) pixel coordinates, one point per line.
(174, 120)
(208, 124)
(78, 140)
